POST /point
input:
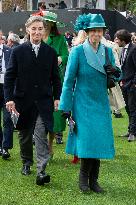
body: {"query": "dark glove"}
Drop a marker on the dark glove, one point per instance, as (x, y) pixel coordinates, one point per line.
(110, 70)
(66, 115)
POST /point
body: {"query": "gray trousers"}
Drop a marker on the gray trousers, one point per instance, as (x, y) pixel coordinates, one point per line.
(41, 145)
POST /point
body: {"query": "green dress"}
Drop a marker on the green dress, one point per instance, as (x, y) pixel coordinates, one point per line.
(58, 42)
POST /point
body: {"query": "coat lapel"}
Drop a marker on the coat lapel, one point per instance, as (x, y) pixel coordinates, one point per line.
(129, 48)
(95, 60)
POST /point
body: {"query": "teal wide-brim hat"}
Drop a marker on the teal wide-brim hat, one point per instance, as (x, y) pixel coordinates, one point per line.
(89, 21)
(97, 21)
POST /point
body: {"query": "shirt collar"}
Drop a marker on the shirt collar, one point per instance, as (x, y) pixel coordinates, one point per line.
(36, 45)
(1, 46)
(126, 46)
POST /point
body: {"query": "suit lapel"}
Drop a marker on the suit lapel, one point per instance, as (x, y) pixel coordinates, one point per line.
(41, 53)
(30, 51)
(95, 60)
(128, 50)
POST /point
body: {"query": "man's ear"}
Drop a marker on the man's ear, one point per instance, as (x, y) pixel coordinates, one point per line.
(27, 31)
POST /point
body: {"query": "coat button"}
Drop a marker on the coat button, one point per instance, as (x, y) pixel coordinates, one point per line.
(36, 86)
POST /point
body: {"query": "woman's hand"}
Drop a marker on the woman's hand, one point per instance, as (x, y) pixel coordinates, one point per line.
(59, 60)
(11, 107)
(56, 105)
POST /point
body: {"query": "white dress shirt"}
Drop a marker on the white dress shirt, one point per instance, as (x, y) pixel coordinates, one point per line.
(3, 65)
(36, 48)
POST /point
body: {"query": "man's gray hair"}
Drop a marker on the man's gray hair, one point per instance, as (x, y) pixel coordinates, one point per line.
(33, 19)
(14, 37)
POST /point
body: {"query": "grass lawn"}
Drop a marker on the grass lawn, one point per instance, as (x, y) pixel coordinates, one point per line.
(117, 177)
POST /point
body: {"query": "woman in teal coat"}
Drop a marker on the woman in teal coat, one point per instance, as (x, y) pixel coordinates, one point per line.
(57, 41)
(92, 138)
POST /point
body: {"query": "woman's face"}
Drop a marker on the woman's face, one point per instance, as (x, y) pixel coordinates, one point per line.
(95, 35)
(48, 25)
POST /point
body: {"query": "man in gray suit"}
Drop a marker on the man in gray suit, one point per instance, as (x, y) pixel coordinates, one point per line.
(32, 88)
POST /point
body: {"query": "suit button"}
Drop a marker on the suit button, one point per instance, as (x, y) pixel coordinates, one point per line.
(36, 86)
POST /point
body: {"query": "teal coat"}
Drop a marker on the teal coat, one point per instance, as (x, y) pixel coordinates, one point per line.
(93, 134)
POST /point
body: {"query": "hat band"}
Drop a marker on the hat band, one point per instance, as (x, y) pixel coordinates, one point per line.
(49, 18)
(96, 25)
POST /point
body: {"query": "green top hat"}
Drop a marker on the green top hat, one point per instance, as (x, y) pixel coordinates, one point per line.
(89, 21)
(50, 16)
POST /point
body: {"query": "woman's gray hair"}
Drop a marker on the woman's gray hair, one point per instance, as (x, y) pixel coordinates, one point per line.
(33, 19)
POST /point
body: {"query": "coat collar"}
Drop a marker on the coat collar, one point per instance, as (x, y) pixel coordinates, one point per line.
(30, 50)
(95, 60)
(50, 39)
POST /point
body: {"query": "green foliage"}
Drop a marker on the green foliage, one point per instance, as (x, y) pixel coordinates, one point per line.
(117, 177)
(122, 5)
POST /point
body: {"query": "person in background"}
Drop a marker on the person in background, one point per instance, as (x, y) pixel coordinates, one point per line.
(32, 90)
(4, 40)
(13, 40)
(128, 78)
(68, 38)
(62, 5)
(133, 37)
(56, 6)
(107, 35)
(80, 38)
(115, 93)
(6, 136)
(18, 8)
(92, 137)
(57, 41)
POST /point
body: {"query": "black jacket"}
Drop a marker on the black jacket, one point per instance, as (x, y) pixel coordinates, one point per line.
(33, 83)
(7, 52)
(129, 66)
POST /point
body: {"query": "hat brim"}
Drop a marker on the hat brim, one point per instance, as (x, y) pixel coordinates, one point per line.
(96, 26)
(59, 24)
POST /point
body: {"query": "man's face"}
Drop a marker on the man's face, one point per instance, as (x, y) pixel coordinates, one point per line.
(36, 32)
(9, 43)
(1, 34)
(119, 42)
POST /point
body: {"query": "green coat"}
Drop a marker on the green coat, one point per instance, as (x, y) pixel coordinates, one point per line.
(59, 44)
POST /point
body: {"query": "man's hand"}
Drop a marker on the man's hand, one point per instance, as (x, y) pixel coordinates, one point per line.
(11, 107)
(59, 60)
(56, 104)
